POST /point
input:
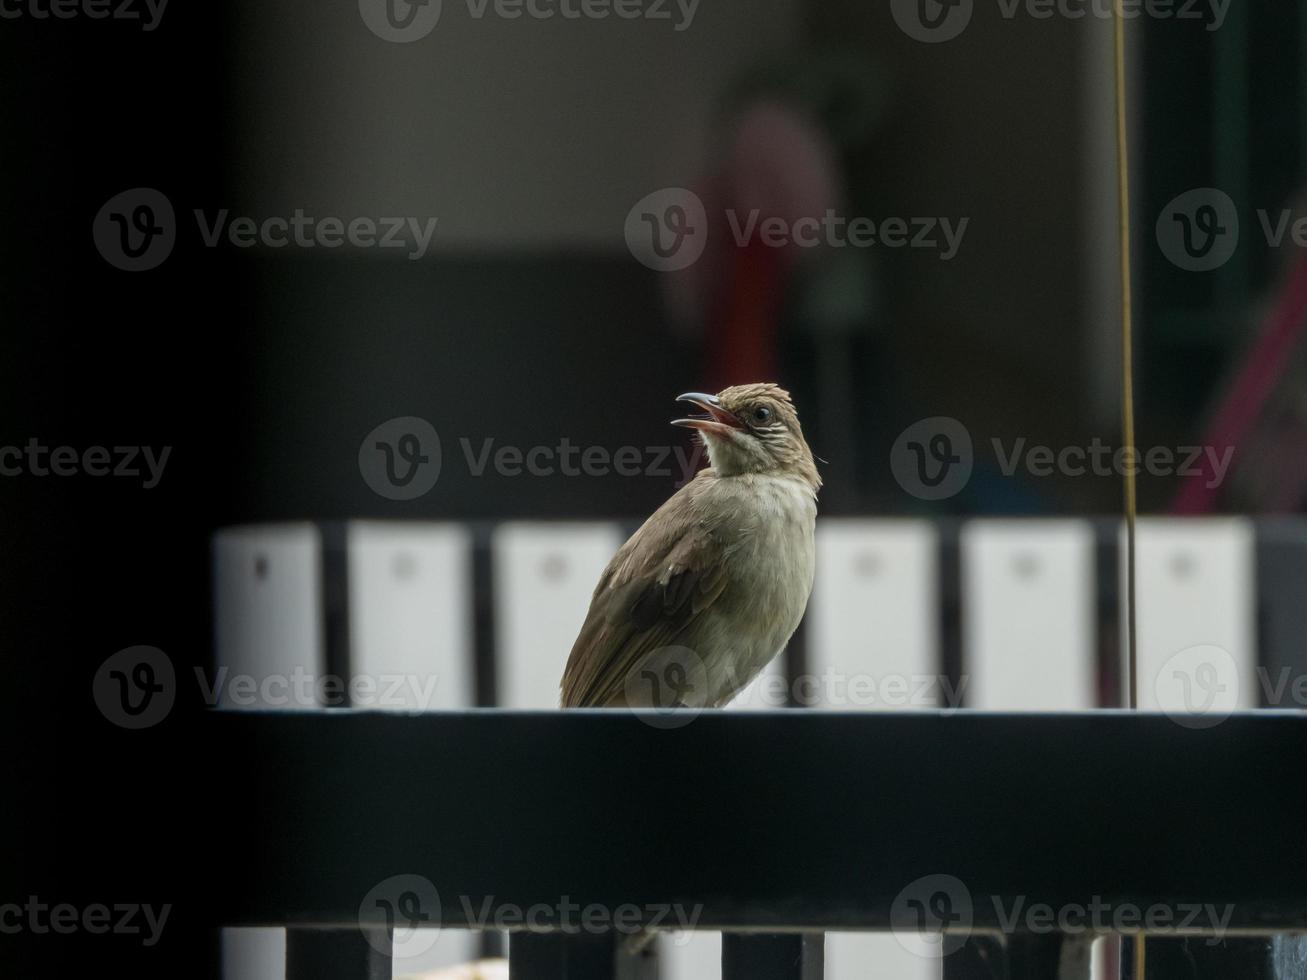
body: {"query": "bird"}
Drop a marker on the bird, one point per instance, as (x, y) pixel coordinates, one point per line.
(712, 586)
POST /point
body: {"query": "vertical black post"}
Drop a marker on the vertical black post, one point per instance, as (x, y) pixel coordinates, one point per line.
(773, 956)
(1020, 956)
(949, 577)
(337, 954)
(492, 942)
(335, 606)
(981, 957)
(1107, 573)
(589, 956)
(1281, 613)
(483, 618)
(1205, 958)
(1050, 956)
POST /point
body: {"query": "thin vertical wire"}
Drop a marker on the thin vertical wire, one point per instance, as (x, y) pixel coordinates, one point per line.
(1127, 354)
(1127, 390)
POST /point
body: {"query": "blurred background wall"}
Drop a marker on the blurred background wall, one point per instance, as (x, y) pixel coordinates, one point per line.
(528, 320)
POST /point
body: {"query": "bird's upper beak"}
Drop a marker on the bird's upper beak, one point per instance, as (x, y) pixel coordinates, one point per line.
(718, 422)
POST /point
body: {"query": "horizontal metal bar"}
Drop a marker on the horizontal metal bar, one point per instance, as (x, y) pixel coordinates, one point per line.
(757, 821)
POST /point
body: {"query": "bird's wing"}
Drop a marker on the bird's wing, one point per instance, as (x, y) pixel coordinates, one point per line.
(650, 595)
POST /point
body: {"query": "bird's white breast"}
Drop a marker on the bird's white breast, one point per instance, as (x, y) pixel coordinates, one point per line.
(771, 534)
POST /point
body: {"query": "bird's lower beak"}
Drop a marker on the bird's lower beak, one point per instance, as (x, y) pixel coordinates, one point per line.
(718, 422)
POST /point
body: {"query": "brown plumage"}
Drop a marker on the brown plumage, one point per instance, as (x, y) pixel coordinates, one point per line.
(714, 583)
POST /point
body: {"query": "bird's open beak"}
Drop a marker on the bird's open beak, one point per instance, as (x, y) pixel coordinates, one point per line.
(718, 422)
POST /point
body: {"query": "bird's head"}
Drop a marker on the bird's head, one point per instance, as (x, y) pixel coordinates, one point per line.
(752, 429)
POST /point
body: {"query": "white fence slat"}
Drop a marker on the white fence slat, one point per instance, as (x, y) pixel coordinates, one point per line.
(874, 617)
(1197, 614)
(268, 615)
(1028, 615)
(544, 577)
(411, 615)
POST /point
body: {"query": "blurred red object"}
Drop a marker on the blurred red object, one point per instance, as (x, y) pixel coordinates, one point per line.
(778, 164)
(1263, 415)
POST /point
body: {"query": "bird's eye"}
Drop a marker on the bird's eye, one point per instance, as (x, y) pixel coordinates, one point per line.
(761, 414)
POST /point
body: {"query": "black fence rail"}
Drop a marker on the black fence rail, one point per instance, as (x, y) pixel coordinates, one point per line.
(1012, 839)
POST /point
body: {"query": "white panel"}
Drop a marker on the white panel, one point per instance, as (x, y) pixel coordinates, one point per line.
(544, 577)
(268, 615)
(1028, 620)
(876, 956)
(254, 954)
(691, 956)
(1098, 960)
(449, 947)
(410, 615)
(1196, 615)
(873, 619)
(766, 691)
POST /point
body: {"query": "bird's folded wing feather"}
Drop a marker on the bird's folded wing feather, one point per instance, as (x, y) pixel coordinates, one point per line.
(650, 596)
